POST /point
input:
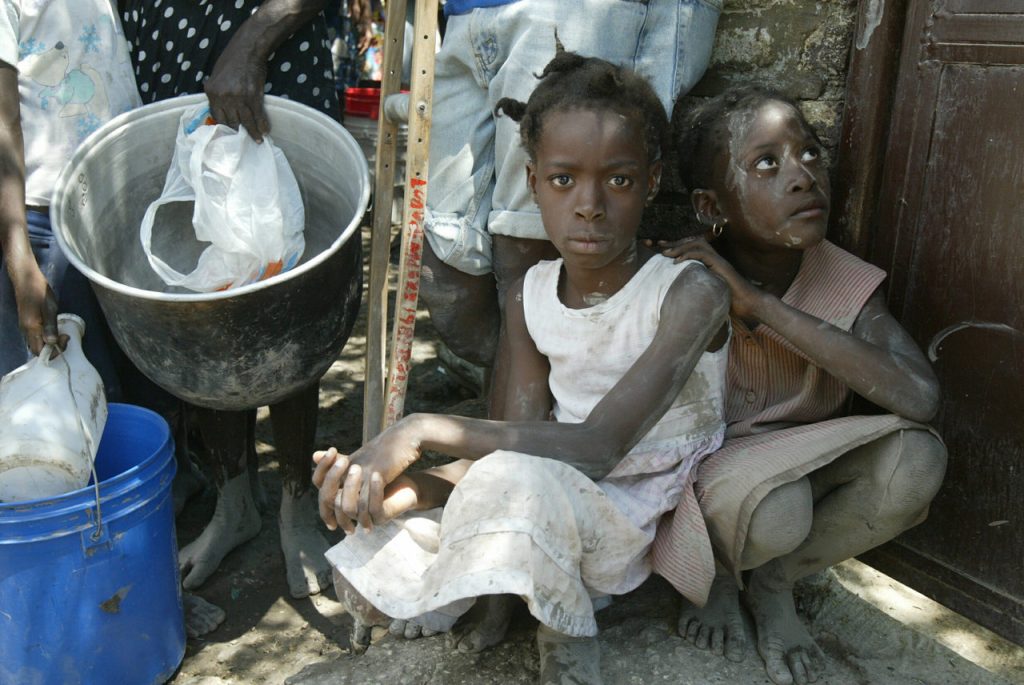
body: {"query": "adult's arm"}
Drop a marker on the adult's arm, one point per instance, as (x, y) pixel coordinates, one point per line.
(235, 87)
(37, 306)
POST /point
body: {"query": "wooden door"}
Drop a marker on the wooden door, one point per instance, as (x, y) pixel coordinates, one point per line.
(942, 211)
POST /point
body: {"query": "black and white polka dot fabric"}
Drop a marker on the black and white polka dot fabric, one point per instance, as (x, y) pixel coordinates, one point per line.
(175, 43)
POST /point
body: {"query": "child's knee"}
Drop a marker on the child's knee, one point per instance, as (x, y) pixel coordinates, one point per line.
(779, 524)
(919, 472)
(901, 472)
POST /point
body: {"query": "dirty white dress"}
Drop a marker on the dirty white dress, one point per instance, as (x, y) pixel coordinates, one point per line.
(538, 528)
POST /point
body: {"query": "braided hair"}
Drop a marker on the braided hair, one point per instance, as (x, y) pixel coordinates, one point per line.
(704, 130)
(571, 81)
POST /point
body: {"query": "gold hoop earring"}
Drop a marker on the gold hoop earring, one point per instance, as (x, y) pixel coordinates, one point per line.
(718, 228)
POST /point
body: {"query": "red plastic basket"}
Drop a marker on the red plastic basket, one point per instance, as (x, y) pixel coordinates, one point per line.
(362, 102)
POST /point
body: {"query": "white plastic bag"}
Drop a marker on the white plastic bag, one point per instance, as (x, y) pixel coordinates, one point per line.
(247, 204)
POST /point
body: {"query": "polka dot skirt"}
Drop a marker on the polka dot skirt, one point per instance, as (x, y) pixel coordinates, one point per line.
(175, 43)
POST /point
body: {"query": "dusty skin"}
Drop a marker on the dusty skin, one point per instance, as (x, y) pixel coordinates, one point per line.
(234, 522)
(484, 625)
(270, 638)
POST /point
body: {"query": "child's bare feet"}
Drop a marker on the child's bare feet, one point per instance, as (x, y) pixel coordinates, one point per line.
(307, 569)
(201, 617)
(567, 660)
(718, 625)
(484, 625)
(234, 521)
(409, 629)
(789, 652)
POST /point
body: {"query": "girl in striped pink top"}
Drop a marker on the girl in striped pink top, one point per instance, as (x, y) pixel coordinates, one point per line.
(794, 489)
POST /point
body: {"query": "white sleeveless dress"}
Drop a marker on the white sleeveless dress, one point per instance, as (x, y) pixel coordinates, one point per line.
(538, 528)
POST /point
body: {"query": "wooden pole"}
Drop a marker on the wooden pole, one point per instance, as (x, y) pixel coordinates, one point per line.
(417, 163)
(380, 234)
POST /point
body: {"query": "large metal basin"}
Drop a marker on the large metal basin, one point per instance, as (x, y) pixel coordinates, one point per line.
(246, 347)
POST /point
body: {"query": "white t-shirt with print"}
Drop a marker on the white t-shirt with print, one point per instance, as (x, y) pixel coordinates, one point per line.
(74, 75)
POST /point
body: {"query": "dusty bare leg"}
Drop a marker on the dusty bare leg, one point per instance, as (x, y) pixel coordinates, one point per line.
(463, 308)
(294, 421)
(235, 519)
(484, 625)
(188, 480)
(864, 498)
(513, 257)
(364, 615)
(567, 660)
(718, 625)
(867, 497)
(779, 524)
(789, 652)
(201, 617)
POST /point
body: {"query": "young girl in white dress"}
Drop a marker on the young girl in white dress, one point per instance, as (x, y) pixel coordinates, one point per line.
(617, 376)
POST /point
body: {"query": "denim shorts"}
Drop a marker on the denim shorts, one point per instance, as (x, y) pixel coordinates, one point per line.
(477, 181)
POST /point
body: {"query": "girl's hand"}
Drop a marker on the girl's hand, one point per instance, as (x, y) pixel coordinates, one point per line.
(367, 487)
(385, 503)
(328, 477)
(746, 297)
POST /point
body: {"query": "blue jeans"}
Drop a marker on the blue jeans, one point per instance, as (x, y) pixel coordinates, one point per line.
(477, 180)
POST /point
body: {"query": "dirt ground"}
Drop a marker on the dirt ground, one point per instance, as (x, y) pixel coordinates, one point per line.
(268, 638)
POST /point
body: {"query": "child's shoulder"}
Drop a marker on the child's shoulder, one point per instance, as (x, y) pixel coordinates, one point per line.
(671, 269)
(542, 271)
(833, 284)
(662, 274)
(834, 258)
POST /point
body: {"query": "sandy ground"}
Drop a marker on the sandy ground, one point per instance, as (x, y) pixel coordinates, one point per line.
(873, 630)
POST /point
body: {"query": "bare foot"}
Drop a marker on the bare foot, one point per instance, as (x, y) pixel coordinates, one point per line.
(409, 629)
(484, 625)
(234, 521)
(201, 617)
(718, 625)
(566, 660)
(789, 652)
(303, 546)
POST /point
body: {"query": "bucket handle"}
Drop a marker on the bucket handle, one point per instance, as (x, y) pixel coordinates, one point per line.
(96, 535)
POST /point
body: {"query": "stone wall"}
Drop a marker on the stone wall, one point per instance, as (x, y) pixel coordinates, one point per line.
(800, 47)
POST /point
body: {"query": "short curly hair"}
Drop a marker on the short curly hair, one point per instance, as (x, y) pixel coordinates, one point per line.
(571, 81)
(703, 132)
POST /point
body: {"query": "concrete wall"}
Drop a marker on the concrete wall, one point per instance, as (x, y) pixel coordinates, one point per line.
(800, 47)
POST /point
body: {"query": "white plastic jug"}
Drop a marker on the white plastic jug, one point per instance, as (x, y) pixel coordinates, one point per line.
(52, 414)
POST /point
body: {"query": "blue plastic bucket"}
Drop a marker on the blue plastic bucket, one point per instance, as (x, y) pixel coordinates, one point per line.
(93, 597)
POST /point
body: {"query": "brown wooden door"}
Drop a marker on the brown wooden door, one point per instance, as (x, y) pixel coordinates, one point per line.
(949, 228)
